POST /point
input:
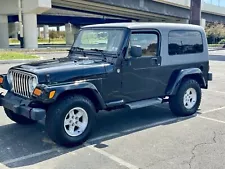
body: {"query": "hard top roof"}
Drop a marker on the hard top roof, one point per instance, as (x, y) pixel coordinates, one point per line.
(145, 25)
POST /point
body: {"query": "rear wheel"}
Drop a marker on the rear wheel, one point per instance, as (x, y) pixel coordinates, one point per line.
(69, 121)
(18, 118)
(187, 99)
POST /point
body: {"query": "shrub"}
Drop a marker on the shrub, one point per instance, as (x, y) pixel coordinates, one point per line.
(222, 41)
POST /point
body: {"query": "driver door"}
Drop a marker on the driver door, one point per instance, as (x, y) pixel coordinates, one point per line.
(138, 79)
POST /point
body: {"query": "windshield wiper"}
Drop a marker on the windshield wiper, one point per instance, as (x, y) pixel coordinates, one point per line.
(78, 49)
(100, 51)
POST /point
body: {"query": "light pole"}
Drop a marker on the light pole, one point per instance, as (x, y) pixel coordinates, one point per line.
(195, 14)
(21, 33)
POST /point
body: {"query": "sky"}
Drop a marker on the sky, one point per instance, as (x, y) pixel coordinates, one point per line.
(216, 2)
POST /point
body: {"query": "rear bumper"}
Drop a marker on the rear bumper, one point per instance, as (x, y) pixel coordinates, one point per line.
(210, 76)
(20, 106)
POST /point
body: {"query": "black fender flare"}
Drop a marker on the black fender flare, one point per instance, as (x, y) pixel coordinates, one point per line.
(61, 88)
(174, 84)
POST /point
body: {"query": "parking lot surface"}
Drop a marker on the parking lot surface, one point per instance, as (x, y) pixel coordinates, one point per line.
(145, 138)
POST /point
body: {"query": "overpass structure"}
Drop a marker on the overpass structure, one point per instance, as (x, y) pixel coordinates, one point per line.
(75, 13)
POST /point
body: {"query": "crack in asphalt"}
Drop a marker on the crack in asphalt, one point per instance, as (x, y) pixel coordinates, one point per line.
(200, 144)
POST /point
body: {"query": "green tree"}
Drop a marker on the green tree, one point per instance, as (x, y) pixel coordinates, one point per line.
(53, 34)
(215, 32)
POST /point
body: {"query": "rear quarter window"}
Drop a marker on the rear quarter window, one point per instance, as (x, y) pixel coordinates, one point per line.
(185, 42)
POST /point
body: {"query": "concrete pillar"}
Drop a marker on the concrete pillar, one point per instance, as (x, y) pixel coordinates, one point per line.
(195, 12)
(71, 32)
(46, 32)
(30, 30)
(203, 23)
(4, 32)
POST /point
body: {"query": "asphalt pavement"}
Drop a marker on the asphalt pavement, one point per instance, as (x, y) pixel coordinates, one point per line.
(148, 138)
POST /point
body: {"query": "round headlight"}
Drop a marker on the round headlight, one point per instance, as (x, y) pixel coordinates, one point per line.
(32, 84)
(9, 77)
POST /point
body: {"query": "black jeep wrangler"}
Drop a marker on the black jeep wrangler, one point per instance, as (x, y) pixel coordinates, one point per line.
(110, 66)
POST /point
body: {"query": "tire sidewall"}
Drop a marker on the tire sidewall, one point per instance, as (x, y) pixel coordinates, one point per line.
(60, 117)
(184, 87)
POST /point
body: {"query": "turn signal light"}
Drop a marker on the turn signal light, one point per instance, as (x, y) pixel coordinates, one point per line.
(1, 80)
(37, 92)
(51, 94)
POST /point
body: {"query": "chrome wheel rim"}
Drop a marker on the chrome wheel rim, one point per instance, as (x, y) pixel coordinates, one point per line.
(76, 121)
(190, 98)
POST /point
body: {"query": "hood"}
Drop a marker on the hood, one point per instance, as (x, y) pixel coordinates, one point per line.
(64, 70)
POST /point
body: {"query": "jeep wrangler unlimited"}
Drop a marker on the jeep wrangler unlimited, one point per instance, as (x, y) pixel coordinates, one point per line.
(110, 66)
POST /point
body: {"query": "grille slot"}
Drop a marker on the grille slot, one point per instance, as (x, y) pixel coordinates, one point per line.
(20, 83)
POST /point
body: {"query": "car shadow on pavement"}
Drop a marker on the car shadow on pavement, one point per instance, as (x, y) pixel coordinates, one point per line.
(28, 145)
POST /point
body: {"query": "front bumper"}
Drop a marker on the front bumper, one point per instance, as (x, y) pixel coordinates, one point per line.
(21, 106)
(210, 77)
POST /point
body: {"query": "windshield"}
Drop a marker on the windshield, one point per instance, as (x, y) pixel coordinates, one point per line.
(108, 40)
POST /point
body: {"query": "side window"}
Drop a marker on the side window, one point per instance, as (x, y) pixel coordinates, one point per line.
(147, 41)
(185, 42)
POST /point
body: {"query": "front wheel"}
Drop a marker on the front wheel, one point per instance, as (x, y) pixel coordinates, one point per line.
(187, 99)
(69, 121)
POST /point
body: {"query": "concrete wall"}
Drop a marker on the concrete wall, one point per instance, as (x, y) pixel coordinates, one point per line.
(36, 6)
(173, 8)
(208, 8)
(10, 7)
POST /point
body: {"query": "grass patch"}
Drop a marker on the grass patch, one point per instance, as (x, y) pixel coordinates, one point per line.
(40, 41)
(215, 45)
(16, 55)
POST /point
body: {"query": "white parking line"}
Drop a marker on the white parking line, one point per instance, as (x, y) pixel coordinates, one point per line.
(112, 157)
(29, 156)
(211, 119)
(105, 137)
(210, 111)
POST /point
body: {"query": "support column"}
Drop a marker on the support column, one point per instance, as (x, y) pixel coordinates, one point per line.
(203, 23)
(4, 32)
(30, 31)
(46, 32)
(195, 14)
(70, 33)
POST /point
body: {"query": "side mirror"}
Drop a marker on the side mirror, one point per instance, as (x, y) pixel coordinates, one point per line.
(136, 51)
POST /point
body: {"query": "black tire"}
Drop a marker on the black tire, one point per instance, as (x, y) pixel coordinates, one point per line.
(176, 102)
(57, 113)
(18, 118)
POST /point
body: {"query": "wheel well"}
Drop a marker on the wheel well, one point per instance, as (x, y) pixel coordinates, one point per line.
(196, 77)
(84, 92)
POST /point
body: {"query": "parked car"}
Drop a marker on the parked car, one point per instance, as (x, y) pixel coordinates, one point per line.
(133, 65)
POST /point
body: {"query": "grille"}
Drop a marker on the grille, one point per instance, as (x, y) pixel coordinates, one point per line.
(20, 83)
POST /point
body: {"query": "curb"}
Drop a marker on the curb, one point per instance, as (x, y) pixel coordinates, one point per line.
(15, 61)
(18, 61)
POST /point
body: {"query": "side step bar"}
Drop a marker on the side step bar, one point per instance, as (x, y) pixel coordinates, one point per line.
(144, 103)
